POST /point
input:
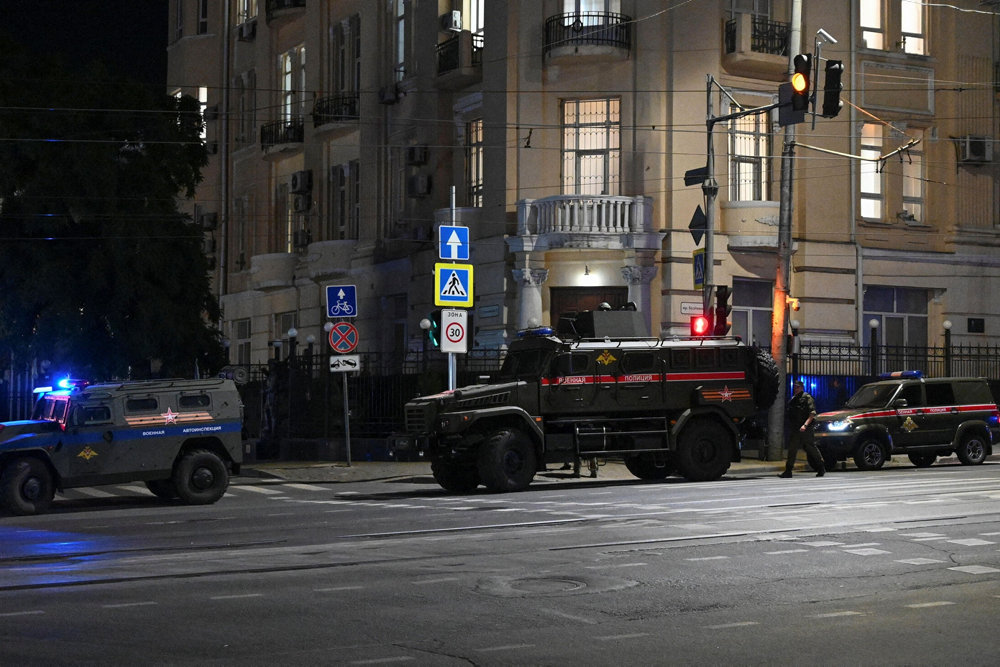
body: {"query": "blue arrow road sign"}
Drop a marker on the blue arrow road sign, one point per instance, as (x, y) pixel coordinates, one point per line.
(453, 242)
(341, 301)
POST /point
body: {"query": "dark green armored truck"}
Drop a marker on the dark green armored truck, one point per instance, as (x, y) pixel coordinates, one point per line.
(183, 438)
(663, 405)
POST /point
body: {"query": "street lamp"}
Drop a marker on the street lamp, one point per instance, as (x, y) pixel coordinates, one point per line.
(292, 334)
(873, 345)
(276, 344)
(947, 347)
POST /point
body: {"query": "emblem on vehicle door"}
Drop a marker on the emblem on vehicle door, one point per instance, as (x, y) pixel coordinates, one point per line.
(86, 454)
(909, 424)
(606, 358)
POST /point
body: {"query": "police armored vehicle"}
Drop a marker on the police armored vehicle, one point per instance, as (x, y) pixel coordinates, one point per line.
(595, 389)
(181, 437)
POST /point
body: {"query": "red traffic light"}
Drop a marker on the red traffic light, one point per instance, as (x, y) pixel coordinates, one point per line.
(700, 325)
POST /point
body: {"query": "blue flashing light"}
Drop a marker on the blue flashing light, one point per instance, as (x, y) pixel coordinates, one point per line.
(41, 390)
(535, 331)
(902, 374)
(71, 383)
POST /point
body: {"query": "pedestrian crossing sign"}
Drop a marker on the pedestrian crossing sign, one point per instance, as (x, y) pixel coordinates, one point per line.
(453, 285)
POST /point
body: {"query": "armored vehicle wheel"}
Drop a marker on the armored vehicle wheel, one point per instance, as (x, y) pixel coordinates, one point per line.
(922, 460)
(766, 380)
(646, 466)
(869, 455)
(507, 461)
(972, 450)
(200, 477)
(455, 478)
(26, 486)
(162, 488)
(704, 450)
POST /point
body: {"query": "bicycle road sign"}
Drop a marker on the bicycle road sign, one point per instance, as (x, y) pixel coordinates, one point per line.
(343, 337)
(341, 301)
(453, 285)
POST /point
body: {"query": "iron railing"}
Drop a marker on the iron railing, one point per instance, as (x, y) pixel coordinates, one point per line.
(290, 131)
(335, 109)
(449, 53)
(273, 8)
(767, 36)
(588, 29)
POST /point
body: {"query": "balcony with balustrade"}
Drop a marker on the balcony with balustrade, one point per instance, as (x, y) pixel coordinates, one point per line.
(587, 35)
(277, 9)
(335, 110)
(585, 221)
(282, 135)
(460, 61)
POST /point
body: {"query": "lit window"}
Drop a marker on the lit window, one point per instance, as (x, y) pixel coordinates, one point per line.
(749, 165)
(474, 162)
(913, 179)
(293, 74)
(912, 26)
(871, 175)
(591, 147)
(872, 33)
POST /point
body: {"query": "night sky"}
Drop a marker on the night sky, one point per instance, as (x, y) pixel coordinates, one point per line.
(130, 36)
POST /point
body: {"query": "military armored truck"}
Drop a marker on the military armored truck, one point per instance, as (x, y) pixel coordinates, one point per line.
(663, 405)
(181, 437)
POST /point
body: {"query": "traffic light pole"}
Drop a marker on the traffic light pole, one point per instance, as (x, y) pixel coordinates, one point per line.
(779, 315)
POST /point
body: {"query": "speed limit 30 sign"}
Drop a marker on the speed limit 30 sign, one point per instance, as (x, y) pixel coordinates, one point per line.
(454, 330)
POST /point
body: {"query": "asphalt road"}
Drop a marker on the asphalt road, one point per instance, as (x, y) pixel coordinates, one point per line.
(899, 566)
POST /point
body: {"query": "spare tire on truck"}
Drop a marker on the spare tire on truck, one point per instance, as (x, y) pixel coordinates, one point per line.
(766, 379)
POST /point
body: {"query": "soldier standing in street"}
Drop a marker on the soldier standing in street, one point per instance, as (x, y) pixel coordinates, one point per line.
(801, 411)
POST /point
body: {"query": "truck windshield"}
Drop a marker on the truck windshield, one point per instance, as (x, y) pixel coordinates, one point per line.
(523, 365)
(872, 396)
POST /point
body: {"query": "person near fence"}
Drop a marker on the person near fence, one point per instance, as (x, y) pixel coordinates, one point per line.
(801, 413)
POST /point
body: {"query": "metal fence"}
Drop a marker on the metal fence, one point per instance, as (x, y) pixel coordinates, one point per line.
(298, 398)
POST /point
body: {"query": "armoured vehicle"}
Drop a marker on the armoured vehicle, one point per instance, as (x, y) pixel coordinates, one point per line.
(181, 437)
(662, 405)
(906, 413)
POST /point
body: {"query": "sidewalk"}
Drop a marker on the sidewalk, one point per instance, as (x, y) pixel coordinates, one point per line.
(312, 472)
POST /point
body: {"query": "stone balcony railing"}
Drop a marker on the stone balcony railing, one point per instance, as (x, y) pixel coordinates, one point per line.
(587, 221)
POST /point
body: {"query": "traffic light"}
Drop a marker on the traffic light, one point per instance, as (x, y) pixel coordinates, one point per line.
(433, 326)
(801, 81)
(832, 87)
(701, 325)
(722, 310)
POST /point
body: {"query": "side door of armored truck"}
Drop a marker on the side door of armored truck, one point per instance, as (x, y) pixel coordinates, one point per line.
(640, 381)
(568, 385)
(88, 439)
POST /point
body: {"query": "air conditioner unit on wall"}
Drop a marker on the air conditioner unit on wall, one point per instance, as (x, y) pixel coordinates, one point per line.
(301, 182)
(302, 203)
(451, 21)
(247, 31)
(418, 185)
(974, 149)
(416, 155)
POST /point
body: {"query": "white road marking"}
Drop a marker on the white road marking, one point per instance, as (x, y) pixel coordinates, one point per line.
(974, 569)
(837, 614)
(237, 597)
(786, 551)
(261, 490)
(122, 605)
(709, 558)
(971, 542)
(924, 605)
(307, 487)
(572, 617)
(336, 589)
(94, 493)
(434, 581)
(506, 647)
(741, 624)
(34, 612)
(610, 638)
(920, 561)
(382, 661)
(866, 552)
(823, 543)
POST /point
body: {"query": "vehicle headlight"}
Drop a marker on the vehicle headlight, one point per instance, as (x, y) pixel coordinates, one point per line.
(839, 426)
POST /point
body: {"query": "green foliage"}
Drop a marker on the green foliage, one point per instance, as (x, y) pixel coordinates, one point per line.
(99, 272)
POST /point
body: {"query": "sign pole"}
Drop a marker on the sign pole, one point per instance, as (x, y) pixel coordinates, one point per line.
(347, 421)
(452, 367)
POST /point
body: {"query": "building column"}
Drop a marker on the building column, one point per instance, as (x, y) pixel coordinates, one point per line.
(529, 296)
(638, 279)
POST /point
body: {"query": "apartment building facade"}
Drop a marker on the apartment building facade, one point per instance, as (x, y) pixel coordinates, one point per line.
(340, 130)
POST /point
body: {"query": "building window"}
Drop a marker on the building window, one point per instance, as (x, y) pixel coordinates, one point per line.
(282, 323)
(591, 147)
(344, 219)
(284, 215)
(246, 10)
(592, 11)
(908, 35)
(474, 162)
(761, 8)
(472, 20)
(912, 26)
(870, 18)
(345, 56)
(749, 165)
(239, 349)
(398, 12)
(178, 19)
(292, 66)
(202, 17)
(243, 227)
(901, 313)
(871, 173)
(753, 302)
(246, 109)
(914, 179)
(202, 105)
